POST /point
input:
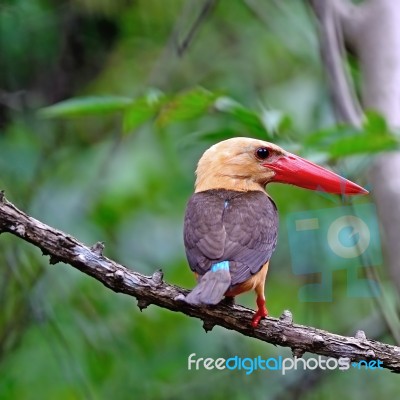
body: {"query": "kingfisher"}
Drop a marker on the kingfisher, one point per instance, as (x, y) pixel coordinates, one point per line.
(231, 223)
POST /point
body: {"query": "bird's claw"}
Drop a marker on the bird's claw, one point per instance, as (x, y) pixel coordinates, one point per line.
(262, 312)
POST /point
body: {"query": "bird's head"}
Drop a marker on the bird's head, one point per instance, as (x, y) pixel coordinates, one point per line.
(249, 164)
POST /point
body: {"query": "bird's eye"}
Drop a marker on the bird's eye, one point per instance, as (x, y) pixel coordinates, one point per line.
(262, 153)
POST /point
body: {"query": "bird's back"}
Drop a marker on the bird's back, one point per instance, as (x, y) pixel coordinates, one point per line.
(240, 228)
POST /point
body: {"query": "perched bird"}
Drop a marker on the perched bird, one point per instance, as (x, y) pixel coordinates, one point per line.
(231, 223)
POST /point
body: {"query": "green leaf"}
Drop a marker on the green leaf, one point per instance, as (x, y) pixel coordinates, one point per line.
(275, 121)
(142, 110)
(186, 105)
(374, 123)
(81, 106)
(343, 141)
(218, 134)
(362, 143)
(323, 138)
(248, 118)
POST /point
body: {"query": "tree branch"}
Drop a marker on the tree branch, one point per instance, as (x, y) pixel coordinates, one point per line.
(62, 247)
(206, 10)
(372, 28)
(345, 103)
(375, 35)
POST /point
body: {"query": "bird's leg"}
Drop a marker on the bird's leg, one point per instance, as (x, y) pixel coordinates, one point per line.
(261, 312)
(262, 309)
(259, 289)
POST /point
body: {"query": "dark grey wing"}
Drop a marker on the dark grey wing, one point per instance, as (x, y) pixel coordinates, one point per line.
(204, 232)
(251, 224)
(223, 225)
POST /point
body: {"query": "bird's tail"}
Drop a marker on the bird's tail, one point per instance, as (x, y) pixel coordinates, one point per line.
(211, 287)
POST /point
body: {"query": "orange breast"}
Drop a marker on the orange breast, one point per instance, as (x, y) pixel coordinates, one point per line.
(256, 281)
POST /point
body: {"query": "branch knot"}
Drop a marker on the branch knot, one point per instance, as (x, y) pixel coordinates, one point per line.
(98, 248)
(286, 317)
(157, 277)
(143, 303)
(208, 325)
(360, 335)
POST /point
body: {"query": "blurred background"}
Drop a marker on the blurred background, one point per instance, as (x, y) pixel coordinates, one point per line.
(159, 82)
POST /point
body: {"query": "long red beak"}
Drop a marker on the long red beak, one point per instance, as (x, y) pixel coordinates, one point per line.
(297, 171)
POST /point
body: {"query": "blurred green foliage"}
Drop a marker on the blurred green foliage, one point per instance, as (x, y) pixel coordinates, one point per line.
(102, 122)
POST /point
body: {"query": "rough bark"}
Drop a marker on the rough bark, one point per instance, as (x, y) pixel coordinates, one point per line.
(62, 247)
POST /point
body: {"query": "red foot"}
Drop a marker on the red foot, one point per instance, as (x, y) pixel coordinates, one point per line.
(262, 312)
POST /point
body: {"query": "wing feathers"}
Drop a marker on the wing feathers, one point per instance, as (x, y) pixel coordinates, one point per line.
(239, 227)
